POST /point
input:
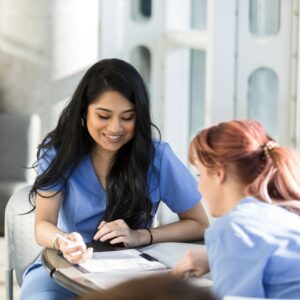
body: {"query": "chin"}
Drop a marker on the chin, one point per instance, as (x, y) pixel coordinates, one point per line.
(112, 148)
(215, 213)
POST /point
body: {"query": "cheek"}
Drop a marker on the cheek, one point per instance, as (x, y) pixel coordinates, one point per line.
(207, 191)
(94, 123)
(130, 128)
(201, 186)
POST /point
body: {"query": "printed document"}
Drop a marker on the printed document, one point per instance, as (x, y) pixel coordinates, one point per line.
(121, 261)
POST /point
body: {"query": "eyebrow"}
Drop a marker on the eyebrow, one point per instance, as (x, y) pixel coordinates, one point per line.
(108, 110)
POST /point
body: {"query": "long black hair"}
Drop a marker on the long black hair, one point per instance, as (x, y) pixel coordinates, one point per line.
(126, 183)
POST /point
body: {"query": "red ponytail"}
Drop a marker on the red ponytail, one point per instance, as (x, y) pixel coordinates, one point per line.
(267, 170)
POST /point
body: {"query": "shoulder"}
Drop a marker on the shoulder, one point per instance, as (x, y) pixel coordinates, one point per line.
(238, 221)
(165, 158)
(163, 150)
(160, 150)
(47, 148)
(252, 219)
(159, 146)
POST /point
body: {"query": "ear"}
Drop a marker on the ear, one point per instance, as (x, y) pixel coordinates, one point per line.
(220, 174)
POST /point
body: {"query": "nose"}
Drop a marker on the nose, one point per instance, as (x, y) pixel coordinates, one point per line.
(114, 126)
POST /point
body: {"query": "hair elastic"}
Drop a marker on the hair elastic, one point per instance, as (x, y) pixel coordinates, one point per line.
(267, 147)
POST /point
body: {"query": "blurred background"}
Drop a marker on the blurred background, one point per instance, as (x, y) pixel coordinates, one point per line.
(204, 61)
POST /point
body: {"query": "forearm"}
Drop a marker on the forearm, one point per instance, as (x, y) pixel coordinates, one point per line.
(45, 234)
(182, 231)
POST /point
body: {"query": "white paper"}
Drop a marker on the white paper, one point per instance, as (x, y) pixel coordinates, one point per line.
(170, 253)
(107, 280)
(121, 261)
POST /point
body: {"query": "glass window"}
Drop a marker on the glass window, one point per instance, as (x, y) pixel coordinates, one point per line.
(263, 99)
(198, 14)
(141, 10)
(264, 17)
(141, 59)
(197, 91)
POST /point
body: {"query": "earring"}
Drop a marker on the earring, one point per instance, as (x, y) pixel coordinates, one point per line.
(82, 122)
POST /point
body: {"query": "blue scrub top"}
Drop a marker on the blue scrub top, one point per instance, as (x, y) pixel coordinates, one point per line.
(84, 201)
(254, 251)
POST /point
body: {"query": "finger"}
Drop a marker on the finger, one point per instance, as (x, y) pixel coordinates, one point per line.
(120, 222)
(87, 255)
(178, 273)
(187, 275)
(79, 244)
(182, 267)
(79, 256)
(102, 232)
(196, 273)
(102, 224)
(110, 236)
(106, 228)
(120, 239)
(68, 250)
(110, 227)
(74, 257)
(77, 238)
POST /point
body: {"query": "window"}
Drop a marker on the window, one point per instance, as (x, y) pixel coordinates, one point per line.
(264, 17)
(141, 10)
(197, 91)
(198, 14)
(263, 99)
(141, 59)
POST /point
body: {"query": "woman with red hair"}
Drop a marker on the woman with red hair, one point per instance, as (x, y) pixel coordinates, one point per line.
(253, 186)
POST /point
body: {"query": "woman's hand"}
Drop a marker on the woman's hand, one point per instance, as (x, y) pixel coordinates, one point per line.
(194, 264)
(119, 232)
(74, 251)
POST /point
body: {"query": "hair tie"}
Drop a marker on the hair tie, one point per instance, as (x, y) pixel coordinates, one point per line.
(151, 236)
(267, 147)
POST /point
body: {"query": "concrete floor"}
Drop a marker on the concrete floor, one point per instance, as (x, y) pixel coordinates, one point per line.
(2, 274)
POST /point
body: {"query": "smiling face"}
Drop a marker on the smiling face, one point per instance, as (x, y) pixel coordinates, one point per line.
(111, 121)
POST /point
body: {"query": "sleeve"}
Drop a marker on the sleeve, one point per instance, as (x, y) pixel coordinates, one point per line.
(178, 188)
(237, 261)
(44, 162)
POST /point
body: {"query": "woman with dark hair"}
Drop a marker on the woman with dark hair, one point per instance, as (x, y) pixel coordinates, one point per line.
(101, 176)
(253, 185)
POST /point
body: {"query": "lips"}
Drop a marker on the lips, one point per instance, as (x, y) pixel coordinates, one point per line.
(113, 138)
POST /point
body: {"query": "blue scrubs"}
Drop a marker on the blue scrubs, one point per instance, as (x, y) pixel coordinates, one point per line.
(254, 251)
(84, 205)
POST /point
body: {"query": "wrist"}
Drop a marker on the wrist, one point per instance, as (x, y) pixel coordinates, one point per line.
(150, 236)
(146, 237)
(56, 241)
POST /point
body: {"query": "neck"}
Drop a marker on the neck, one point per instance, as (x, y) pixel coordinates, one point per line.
(101, 161)
(102, 155)
(232, 197)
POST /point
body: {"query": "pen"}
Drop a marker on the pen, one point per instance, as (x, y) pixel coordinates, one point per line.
(71, 243)
(148, 257)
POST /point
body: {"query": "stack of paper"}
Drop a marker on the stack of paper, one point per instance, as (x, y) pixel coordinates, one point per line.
(121, 261)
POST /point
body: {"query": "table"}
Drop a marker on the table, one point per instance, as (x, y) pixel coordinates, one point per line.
(73, 279)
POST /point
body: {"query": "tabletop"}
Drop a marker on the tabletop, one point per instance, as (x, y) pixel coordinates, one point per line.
(72, 278)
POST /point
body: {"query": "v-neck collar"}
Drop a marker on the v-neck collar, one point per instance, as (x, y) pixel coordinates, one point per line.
(92, 172)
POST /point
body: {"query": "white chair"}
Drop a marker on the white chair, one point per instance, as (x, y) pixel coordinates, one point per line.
(21, 247)
(19, 136)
